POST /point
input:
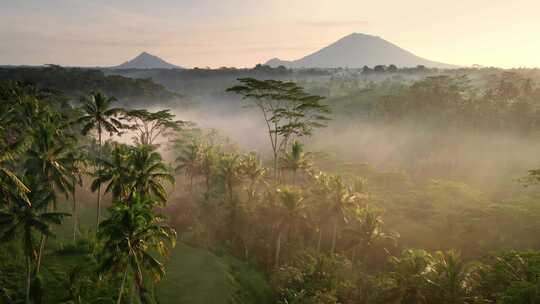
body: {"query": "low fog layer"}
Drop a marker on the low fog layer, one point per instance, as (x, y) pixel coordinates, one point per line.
(487, 160)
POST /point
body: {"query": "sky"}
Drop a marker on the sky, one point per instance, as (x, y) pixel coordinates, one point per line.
(242, 33)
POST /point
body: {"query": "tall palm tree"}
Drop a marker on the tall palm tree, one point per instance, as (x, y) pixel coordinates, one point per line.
(9, 181)
(229, 171)
(49, 162)
(16, 121)
(15, 136)
(408, 275)
(291, 212)
(230, 174)
(337, 197)
(132, 170)
(451, 278)
(208, 157)
(366, 229)
(148, 173)
(252, 169)
(187, 162)
(295, 160)
(77, 166)
(100, 116)
(132, 237)
(23, 219)
(115, 172)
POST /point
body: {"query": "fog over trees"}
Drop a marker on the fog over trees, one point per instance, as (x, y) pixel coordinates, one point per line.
(375, 184)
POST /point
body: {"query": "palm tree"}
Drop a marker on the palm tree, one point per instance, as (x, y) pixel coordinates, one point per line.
(148, 173)
(132, 236)
(409, 277)
(14, 137)
(252, 169)
(21, 218)
(77, 166)
(339, 198)
(49, 159)
(134, 170)
(365, 231)
(207, 164)
(230, 174)
(49, 162)
(295, 160)
(100, 116)
(115, 172)
(451, 278)
(188, 162)
(291, 211)
(9, 180)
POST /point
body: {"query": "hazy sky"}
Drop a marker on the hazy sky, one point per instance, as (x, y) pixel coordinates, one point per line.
(245, 32)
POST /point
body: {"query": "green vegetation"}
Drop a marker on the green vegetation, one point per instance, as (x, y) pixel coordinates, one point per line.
(76, 83)
(192, 217)
(198, 276)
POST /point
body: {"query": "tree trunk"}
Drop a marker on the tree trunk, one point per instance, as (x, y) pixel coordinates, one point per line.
(207, 182)
(132, 293)
(246, 251)
(353, 257)
(119, 300)
(275, 164)
(334, 236)
(232, 220)
(75, 214)
(28, 279)
(98, 215)
(319, 239)
(278, 247)
(40, 253)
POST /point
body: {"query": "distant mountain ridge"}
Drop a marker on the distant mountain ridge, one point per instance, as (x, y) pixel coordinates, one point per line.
(357, 50)
(146, 61)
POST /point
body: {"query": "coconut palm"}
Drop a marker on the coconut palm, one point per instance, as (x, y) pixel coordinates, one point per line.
(337, 198)
(291, 211)
(148, 173)
(208, 158)
(20, 111)
(451, 278)
(132, 237)
(115, 172)
(77, 163)
(102, 117)
(229, 172)
(187, 162)
(295, 160)
(365, 230)
(252, 169)
(23, 219)
(131, 170)
(408, 275)
(48, 161)
(9, 181)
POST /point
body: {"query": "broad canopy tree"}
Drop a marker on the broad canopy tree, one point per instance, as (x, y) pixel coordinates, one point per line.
(150, 126)
(288, 111)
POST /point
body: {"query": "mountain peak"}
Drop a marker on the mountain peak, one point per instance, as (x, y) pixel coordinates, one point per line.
(357, 50)
(147, 61)
(360, 35)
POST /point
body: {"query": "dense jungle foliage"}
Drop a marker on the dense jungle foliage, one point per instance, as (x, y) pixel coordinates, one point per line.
(378, 185)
